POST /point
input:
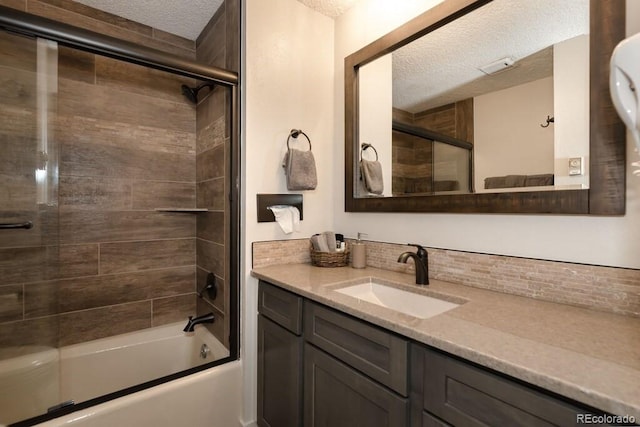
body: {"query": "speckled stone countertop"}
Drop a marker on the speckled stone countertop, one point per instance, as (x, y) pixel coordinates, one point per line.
(589, 356)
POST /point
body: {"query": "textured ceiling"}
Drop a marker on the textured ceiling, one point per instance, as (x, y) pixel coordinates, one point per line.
(185, 18)
(425, 71)
(330, 8)
(448, 57)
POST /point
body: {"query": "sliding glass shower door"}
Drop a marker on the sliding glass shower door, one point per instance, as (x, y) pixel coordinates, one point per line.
(29, 249)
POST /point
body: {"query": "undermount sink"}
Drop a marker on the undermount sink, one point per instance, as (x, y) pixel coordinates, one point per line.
(414, 304)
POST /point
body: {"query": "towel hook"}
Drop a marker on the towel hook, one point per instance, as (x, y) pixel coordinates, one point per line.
(549, 121)
(295, 133)
(366, 145)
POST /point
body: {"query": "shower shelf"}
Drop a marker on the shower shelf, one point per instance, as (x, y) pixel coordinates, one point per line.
(182, 210)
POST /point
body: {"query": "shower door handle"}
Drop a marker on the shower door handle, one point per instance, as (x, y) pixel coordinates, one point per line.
(12, 226)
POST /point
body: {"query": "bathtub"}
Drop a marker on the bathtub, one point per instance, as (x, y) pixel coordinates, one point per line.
(210, 398)
(29, 382)
(88, 370)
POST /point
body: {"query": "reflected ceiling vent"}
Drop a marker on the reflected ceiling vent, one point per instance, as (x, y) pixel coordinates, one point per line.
(498, 66)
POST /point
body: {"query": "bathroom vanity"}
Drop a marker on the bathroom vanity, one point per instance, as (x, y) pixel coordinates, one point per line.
(329, 358)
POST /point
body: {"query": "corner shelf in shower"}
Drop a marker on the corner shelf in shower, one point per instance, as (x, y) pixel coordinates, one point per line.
(182, 210)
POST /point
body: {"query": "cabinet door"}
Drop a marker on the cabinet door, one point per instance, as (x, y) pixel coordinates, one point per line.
(336, 395)
(463, 394)
(375, 352)
(279, 376)
(429, 420)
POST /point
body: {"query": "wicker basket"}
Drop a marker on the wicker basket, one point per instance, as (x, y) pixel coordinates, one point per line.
(329, 259)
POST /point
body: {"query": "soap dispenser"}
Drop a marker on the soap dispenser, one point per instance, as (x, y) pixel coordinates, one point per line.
(359, 253)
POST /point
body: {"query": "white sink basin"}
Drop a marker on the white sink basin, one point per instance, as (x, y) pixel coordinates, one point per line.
(399, 300)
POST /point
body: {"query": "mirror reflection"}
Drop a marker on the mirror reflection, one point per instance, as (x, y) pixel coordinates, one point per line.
(495, 101)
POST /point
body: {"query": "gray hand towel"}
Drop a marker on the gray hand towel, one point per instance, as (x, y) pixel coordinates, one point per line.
(371, 171)
(315, 243)
(319, 243)
(300, 169)
(330, 238)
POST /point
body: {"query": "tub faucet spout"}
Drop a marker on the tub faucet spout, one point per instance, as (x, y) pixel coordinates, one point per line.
(193, 321)
(421, 260)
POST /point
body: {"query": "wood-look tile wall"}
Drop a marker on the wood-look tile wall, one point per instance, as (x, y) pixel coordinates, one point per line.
(412, 160)
(25, 255)
(412, 157)
(218, 45)
(107, 262)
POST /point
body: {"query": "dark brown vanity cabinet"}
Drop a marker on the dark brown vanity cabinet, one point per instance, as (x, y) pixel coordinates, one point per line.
(446, 391)
(320, 367)
(355, 374)
(280, 350)
(347, 373)
(337, 395)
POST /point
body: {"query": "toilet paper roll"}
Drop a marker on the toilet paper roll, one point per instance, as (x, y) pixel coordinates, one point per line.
(288, 217)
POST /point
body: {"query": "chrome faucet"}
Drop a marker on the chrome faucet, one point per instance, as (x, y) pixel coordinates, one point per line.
(193, 321)
(421, 260)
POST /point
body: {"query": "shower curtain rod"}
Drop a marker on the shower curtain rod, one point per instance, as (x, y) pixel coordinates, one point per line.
(428, 134)
(68, 35)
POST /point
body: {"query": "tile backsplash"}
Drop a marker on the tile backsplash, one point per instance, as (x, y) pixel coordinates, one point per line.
(281, 252)
(610, 289)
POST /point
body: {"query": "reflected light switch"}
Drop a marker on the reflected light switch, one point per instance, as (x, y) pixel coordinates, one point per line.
(575, 166)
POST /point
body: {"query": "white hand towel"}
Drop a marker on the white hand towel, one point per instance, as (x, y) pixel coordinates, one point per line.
(288, 217)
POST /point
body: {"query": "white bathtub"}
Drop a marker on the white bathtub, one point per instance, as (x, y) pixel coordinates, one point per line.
(211, 398)
(29, 382)
(88, 370)
(102, 366)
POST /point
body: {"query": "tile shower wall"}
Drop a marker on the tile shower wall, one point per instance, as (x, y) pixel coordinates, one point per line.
(217, 45)
(610, 289)
(413, 157)
(24, 255)
(127, 141)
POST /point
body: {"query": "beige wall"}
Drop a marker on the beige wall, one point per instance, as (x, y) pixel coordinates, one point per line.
(571, 108)
(288, 83)
(508, 139)
(375, 128)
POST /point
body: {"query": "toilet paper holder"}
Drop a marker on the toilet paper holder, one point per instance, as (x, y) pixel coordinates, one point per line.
(264, 201)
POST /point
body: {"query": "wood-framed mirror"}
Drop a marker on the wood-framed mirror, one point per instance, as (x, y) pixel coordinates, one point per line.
(607, 136)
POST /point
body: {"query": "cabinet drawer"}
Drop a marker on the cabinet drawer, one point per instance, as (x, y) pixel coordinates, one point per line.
(337, 395)
(463, 394)
(371, 350)
(283, 307)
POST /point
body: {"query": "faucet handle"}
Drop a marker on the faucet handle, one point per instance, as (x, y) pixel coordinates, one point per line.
(422, 252)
